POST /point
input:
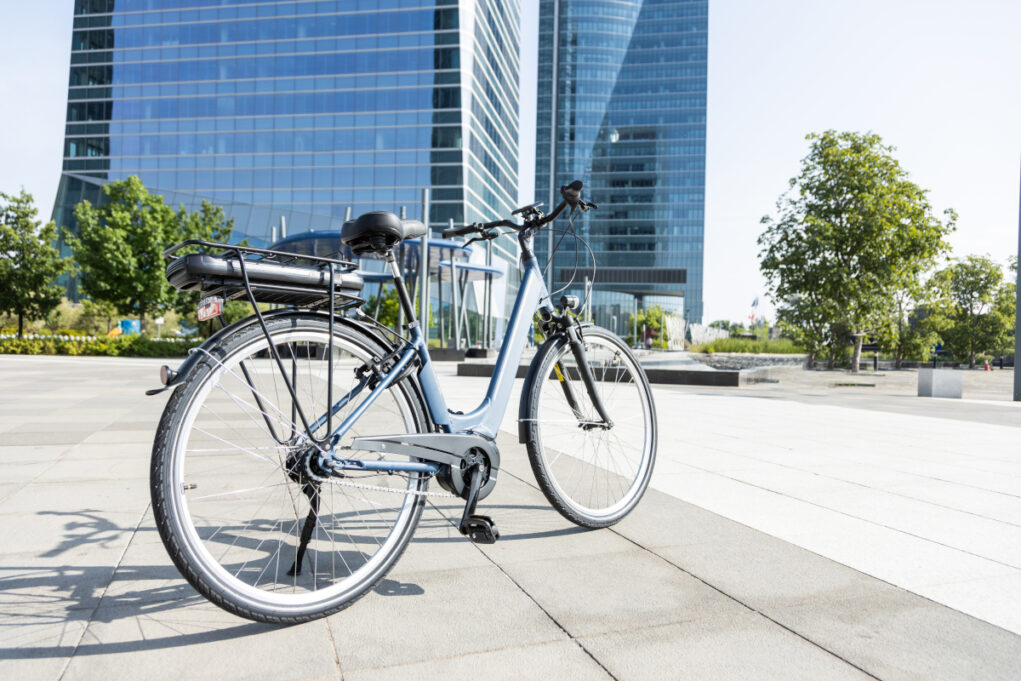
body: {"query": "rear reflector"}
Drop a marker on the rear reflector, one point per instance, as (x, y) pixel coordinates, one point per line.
(209, 307)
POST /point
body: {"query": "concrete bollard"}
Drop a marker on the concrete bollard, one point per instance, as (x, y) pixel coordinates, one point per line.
(940, 383)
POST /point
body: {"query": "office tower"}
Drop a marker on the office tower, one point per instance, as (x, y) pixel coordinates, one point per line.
(621, 106)
(297, 110)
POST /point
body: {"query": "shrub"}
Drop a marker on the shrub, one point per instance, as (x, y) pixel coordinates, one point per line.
(121, 346)
(780, 346)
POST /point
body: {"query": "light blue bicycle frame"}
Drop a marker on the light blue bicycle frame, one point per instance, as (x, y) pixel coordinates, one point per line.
(484, 419)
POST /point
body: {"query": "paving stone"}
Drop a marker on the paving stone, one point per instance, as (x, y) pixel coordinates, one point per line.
(618, 591)
(37, 648)
(197, 642)
(745, 646)
(897, 635)
(454, 612)
(769, 572)
(557, 660)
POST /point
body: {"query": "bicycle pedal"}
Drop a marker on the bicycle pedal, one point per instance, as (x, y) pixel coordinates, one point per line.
(481, 529)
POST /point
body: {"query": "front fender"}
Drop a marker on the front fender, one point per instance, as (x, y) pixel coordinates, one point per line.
(526, 428)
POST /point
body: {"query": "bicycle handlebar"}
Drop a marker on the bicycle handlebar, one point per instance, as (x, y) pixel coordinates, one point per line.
(459, 231)
(572, 197)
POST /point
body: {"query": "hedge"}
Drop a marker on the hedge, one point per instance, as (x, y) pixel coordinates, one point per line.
(780, 346)
(119, 346)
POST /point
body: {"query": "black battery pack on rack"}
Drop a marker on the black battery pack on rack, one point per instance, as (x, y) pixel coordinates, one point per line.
(273, 276)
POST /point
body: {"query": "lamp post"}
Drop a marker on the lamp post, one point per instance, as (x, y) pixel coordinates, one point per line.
(1017, 304)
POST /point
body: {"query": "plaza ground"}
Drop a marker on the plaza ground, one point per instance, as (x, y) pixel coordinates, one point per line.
(826, 526)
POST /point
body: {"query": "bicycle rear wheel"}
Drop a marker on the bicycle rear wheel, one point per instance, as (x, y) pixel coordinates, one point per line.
(592, 475)
(235, 490)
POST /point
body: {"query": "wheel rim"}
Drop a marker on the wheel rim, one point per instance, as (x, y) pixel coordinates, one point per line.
(597, 473)
(239, 511)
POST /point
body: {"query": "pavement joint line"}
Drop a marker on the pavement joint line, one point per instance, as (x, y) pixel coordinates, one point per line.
(854, 483)
(474, 653)
(333, 642)
(711, 586)
(99, 601)
(855, 517)
(532, 598)
(746, 605)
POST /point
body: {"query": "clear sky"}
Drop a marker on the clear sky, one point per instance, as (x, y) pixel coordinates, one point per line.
(938, 79)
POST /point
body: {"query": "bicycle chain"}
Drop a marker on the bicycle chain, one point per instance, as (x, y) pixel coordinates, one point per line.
(417, 493)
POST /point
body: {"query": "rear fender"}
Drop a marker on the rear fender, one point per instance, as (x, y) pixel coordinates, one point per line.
(187, 367)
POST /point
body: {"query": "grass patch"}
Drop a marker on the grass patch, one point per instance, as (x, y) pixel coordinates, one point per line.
(780, 346)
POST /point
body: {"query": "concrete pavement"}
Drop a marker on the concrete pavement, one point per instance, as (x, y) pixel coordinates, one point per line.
(803, 555)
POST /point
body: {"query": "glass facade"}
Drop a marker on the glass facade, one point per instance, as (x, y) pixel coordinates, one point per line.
(298, 109)
(622, 106)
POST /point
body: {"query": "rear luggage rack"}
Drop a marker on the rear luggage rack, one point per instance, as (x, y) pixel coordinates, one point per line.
(265, 276)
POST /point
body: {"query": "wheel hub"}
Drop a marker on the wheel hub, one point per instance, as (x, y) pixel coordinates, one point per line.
(303, 467)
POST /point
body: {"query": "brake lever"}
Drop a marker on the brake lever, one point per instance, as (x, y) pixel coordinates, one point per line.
(485, 236)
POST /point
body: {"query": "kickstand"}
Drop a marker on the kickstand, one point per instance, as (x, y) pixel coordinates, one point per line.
(312, 492)
(479, 528)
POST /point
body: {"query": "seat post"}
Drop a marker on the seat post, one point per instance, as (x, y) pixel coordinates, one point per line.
(402, 292)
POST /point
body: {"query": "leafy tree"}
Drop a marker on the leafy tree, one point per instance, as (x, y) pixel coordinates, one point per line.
(388, 307)
(651, 319)
(96, 317)
(63, 316)
(29, 262)
(911, 333)
(120, 247)
(972, 311)
(1005, 305)
(208, 223)
(733, 328)
(851, 229)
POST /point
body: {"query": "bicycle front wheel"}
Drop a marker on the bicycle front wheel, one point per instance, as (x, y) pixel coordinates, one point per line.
(246, 515)
(593, 474)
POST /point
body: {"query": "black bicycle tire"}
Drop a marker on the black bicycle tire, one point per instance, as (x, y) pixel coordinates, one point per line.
(161, 459)
(529, 432)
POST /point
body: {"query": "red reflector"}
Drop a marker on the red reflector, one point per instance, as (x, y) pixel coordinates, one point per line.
(209, 308)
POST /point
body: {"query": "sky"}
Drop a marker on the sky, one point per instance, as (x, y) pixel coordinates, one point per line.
(938, 79)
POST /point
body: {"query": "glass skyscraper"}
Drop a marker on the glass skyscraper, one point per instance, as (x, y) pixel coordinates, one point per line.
(622, 106)
(298, 110)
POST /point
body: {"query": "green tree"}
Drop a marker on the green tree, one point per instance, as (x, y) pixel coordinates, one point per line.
(96, 317)
(972, 312)
(29, 262)
(208, 223)
(851, 229)
(651, 319)
(910, 333)
(388, 307)
(119, 247)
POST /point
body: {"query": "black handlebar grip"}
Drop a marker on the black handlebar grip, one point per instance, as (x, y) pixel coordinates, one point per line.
(459, 231)
(572, 192)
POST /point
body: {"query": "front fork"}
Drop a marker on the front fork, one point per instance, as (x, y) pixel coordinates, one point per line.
(576, 341)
